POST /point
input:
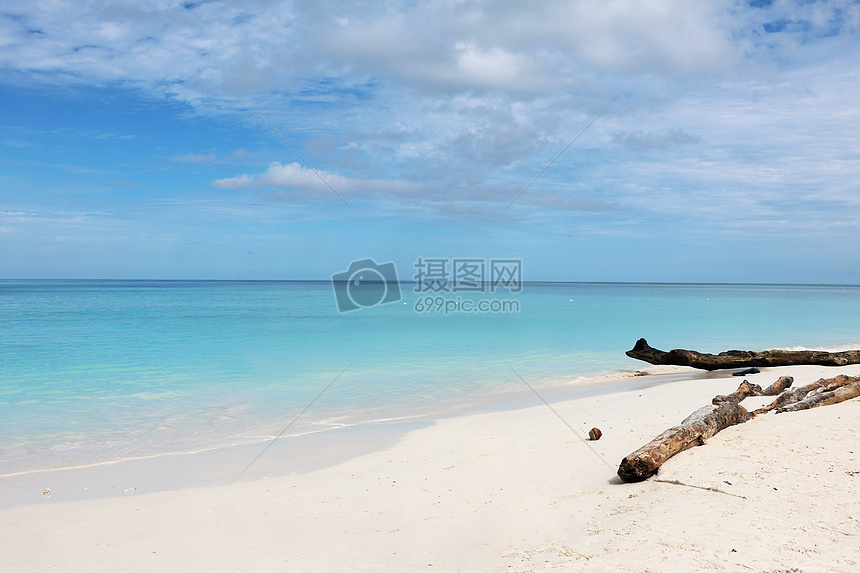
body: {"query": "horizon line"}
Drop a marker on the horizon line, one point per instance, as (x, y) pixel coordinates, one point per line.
(524, 282)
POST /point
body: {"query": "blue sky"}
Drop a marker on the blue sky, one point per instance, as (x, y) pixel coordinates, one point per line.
(731, 154)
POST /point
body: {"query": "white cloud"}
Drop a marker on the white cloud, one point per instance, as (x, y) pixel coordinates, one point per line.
(493, 68)
(243, 181)
(293, 176)
(290, 176)
(539, 47)
(455, 105)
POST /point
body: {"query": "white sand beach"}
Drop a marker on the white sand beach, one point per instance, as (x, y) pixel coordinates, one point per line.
(506, 490)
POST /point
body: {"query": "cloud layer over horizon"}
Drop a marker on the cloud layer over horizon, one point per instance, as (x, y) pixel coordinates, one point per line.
(732, 119)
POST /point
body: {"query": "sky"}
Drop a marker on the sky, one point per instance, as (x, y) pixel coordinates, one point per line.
(709, 141)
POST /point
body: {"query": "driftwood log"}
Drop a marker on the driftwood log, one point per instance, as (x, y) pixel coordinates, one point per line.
(741, 358)
(693, 431)
(825, 398)
(726, 411)
(747, 389)
(824, 392)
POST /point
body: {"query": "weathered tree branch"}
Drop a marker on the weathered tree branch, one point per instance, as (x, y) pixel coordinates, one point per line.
(783, 383)
(741, 358)
(744, 390)
(840, 394)
(823, 392)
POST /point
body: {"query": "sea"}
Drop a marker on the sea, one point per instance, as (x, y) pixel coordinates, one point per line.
(97, 371)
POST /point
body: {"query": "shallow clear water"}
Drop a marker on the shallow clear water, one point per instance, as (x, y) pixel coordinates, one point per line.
(94, 371)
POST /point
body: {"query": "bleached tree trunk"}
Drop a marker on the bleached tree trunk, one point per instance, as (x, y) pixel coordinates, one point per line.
(693, 431)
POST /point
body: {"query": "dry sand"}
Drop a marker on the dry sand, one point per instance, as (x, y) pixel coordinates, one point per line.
(507, 490)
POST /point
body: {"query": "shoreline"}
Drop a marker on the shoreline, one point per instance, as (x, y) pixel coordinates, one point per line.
(313, 450)
(501, 400)
(551, 387)
(496, 490)
(316, 449)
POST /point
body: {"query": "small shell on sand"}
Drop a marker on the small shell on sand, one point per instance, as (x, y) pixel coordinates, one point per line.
(594, 434)
(47, 492)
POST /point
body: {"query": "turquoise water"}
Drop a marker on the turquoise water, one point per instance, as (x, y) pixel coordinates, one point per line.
(96, 371)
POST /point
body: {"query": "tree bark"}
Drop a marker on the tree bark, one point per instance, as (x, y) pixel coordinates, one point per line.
(778, 387)
(840, 394)
(741, 358)
(693, 431)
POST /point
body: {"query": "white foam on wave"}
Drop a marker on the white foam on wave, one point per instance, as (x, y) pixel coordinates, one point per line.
(838, 348)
